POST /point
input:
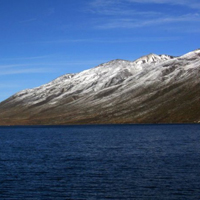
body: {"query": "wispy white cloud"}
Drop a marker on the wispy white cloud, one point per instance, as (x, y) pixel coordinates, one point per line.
(27, 68)
(27, 65)
(187, 3)
(104, 3)
(148, 39)
(116, 8)
(12, 66)
(50, 11)
(35, 66)
(123, 12)
(40, 68)
(133, 23)
(126, 14)
(26, 58)
(9, 85)
(28, 20)
(110, 25)
(26, 71)
(46, 13)
(32, 57)
(78, 40)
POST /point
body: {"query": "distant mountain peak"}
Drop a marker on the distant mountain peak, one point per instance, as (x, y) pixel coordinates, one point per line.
(152, 58)
(114, 63)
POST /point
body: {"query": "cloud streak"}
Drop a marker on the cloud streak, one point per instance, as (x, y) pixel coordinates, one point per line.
(116, 8)
(24, 68)
(195, 4)
(28, 20)
(27, 65)
(26, 58)
(26, 71)
(125, 14)
(133, 23)
(8, 85)
(14, 69)
(109, 40)
(188, 3)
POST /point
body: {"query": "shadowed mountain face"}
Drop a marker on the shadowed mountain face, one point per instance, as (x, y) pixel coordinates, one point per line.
(152, 89)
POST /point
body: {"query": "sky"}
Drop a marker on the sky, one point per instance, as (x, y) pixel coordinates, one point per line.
(41, 40)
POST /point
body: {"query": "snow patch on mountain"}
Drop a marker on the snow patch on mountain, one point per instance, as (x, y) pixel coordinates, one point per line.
(152, 58)
(151, 69)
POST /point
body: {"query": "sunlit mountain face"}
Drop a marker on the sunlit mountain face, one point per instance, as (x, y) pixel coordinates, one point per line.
(151, 89)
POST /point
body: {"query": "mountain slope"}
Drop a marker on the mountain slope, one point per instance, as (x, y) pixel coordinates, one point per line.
(151, 89)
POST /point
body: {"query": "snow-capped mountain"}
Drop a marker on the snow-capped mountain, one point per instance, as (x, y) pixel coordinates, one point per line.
(151, 89)
(152, 58)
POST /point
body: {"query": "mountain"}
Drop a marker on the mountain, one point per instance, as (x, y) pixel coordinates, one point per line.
(151, 89)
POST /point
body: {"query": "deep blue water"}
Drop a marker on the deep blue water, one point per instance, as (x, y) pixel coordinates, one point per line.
(100, 162)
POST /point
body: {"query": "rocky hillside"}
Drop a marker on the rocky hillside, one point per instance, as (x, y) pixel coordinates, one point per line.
(151, 89)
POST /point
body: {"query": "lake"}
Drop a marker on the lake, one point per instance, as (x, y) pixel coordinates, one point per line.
(100, 162)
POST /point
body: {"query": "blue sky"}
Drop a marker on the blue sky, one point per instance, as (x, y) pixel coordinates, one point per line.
(43, 39)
